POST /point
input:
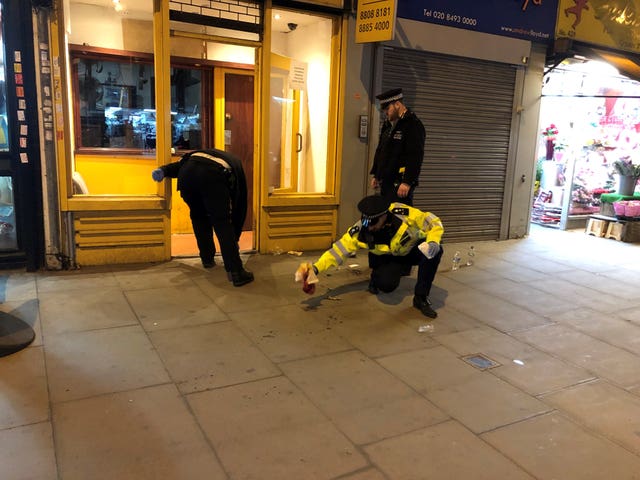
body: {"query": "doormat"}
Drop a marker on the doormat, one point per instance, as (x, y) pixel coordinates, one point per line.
(480, 361)
(15, 334)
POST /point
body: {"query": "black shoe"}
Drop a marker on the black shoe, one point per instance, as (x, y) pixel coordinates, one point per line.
(372, 288)
(209, 264)
(424, 305)
(241, 277)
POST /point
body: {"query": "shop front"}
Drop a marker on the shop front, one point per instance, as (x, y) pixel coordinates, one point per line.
(21, 237)
(589, 142)
(590, 115)
(159, 79)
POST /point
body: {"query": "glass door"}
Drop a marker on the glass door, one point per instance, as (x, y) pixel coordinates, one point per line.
(8, 238)
(285, 137)
(302, 76)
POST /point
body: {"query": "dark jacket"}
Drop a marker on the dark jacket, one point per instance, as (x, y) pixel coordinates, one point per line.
(400, 151)
(237, 181)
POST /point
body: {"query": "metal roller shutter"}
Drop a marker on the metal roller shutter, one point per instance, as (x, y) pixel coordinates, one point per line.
(466, 106)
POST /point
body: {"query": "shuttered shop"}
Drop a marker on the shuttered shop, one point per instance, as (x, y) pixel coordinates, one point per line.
(466, 106)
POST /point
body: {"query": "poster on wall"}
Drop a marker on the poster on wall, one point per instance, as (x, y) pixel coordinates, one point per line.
(609, 23)
(526, 19)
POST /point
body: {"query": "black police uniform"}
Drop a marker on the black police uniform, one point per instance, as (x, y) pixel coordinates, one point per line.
(212, 183)
(400, 151)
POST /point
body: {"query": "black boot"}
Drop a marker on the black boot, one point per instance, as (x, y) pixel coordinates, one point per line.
(372, 287)
(424, 305)
(209, 263)
(241, 277)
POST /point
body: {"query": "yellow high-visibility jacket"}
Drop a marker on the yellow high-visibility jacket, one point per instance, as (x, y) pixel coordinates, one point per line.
(416, 226)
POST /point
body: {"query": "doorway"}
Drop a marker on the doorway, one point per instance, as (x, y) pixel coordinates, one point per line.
(233, 131)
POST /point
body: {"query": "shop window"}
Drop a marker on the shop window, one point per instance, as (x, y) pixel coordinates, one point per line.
(4, 133)
(301, 123)
(113, 94)
(590, 118)
(111, 66)
(8, 239)
(115, 106)
(186, 108)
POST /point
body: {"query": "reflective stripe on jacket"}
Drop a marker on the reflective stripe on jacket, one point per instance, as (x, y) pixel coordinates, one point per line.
(417, 226)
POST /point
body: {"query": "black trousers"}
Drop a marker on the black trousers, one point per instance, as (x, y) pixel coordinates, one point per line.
(427, 268)
(204, 186)
(389, 190)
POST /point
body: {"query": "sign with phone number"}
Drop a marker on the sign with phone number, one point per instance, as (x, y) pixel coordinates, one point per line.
(375, 21)
(526, 19)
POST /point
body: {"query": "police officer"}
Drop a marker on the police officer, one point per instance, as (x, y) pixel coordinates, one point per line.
(213, 185)
(398, 158)
(396, 235)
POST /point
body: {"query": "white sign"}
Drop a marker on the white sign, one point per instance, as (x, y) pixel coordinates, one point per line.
(298, 75)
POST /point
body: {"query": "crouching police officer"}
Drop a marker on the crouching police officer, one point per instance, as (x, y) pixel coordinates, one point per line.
(212, 183)
(396, 236)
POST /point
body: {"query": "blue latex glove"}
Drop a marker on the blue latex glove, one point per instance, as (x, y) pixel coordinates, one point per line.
(430, 249)
(157, 174)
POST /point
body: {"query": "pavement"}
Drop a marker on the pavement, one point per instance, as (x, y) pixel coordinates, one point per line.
(167, 371)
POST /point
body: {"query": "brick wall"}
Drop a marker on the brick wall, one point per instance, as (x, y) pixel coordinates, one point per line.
(231, 10)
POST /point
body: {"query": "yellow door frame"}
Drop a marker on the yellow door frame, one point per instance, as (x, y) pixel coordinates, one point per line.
(292, 220)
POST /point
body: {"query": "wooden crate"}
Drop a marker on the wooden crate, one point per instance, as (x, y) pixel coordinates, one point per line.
(632, 232)
(597, 227)
(616, 230)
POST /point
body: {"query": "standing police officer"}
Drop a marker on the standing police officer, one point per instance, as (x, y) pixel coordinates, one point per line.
(212, 183)
(398, 158)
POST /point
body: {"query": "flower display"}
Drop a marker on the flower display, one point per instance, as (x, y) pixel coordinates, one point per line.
(599, 191)
(550, 132)
(626, 168)
(581, 195)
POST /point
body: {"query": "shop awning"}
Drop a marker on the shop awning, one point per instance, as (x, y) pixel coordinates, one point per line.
(627, 66)
(627, 63)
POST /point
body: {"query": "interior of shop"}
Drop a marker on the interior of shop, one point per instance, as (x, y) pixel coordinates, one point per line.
(588, 157)
(8, 239)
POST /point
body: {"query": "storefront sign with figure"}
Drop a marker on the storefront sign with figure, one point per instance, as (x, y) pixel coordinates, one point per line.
(610, 23)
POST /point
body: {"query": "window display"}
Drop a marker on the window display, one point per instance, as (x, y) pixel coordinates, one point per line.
(591, 120)
(4, 133)
(8, 240)
(117, 105)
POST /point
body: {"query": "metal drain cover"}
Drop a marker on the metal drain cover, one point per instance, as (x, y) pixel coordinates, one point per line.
(480, 361)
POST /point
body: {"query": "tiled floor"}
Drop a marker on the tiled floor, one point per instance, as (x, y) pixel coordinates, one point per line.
(169, 372)
(184, 244)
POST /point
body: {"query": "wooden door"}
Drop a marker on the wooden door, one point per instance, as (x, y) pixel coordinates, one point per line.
(234, 129)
